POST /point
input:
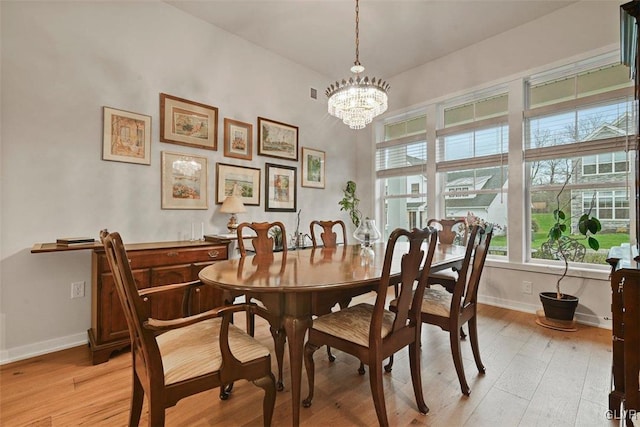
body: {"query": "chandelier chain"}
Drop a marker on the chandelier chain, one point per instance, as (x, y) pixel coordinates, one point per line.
(357, 62)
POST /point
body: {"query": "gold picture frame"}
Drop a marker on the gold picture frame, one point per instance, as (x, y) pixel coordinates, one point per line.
(184, 181)
(126, 136)
(189, 123)
(245, 180)
(277, 139)
(238, 139)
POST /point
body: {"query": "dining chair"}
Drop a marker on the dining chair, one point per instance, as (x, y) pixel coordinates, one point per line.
(451, 311)
(328, 236)
(176, 358)
(372, 333)
(450, 232)
(263, 245)
(329, 240)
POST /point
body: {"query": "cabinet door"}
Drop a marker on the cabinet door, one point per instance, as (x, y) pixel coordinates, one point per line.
(169, 305)
(113, 324)
(205, 297)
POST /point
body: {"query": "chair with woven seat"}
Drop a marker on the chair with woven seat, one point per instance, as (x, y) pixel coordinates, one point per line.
(176, 358)
(263, 245)
(370, 332)
(451, 311)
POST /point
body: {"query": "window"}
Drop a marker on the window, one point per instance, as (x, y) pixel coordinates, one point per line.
(576, 131)
(472, 161)
(400, 170)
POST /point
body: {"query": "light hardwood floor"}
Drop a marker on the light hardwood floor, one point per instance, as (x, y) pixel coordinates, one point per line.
(535, 377)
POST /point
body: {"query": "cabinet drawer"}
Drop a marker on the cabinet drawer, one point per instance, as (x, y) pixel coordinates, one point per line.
(155, 258)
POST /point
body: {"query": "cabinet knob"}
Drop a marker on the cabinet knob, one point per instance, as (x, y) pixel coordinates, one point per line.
(214, 254)
(145, 299)
(172, 253)
(197, 289)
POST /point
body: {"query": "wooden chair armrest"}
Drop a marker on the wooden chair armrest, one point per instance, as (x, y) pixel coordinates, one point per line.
(167, 325)
(164, 288)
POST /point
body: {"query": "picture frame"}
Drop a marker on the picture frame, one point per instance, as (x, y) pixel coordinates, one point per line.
(238, 139)
(280, 188)
(245, 180)
(313, 167)
(189, 123)
(277, 139)
(126, 136)
(184, 181)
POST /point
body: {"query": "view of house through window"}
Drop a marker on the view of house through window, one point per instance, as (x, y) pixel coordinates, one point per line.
(576, 123)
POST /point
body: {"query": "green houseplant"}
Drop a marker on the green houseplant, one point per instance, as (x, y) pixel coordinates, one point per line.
(561, 246)
(350, 203)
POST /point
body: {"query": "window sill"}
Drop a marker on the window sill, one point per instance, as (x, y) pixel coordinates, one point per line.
(599, 272)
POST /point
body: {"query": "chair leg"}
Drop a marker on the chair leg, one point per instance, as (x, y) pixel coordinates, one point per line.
(473, 335)
(279, 339)
(268, 384)
(309, 365)
(137, 398)
(416, 377)
(156, 411)
(389, 365)
(377, 391)
(454, 338)
(331, 357)
(361, 370)
(462, 334)
(225, 391)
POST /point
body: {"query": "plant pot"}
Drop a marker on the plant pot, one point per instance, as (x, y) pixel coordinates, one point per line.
(559, 309)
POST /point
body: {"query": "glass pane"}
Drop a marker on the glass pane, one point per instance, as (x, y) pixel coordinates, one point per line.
(492, 107)
(458, 115)
(406, 185)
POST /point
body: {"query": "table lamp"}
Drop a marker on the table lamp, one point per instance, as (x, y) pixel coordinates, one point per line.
(233, 205)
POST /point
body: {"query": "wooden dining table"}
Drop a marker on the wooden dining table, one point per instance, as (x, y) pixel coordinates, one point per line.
(295, 285)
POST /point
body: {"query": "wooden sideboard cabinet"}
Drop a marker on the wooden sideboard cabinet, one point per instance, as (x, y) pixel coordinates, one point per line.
(153, 264)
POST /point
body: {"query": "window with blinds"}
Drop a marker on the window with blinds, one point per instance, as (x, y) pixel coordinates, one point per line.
(577, 133)
(400, 169)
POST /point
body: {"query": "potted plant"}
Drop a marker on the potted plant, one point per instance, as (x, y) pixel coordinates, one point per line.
(350, 203)
(560, 245)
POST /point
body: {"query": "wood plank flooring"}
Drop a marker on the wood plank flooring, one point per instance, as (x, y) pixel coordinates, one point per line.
(535, 377)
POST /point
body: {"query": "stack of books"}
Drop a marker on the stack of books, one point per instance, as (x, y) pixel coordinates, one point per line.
(75, 241)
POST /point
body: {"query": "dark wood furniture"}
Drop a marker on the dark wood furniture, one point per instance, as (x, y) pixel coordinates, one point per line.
(178, 357)
(451, 311)
(371, 332)
(287, 293)
(328, 236)
(450, 231)
(153, 264)
(625, 310)
(262, 242)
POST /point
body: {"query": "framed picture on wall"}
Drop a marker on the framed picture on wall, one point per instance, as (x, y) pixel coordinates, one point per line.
(276, 139)
(312, 168)
(184, 181)
(280, 188)
(126, 136)
(238, 139)
(188, 123)
(245, 181)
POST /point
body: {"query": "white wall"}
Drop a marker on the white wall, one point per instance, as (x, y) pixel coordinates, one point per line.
(581, 30)
(61, 63)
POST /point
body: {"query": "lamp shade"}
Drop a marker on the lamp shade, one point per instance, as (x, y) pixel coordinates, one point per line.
(232, 204)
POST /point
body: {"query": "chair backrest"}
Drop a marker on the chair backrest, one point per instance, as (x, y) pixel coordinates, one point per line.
(143, 341)
(450, 231)
(328, 236)
(414, 265)
(466, 290)
(262, 242)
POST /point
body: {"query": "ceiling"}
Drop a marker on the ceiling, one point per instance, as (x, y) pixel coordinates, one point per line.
(395, 35)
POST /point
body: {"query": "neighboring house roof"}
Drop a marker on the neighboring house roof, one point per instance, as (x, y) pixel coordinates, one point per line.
(617, 128)
(491, 179)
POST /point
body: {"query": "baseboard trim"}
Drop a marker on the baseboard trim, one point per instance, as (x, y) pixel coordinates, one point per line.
(43, 347)
(583, 318)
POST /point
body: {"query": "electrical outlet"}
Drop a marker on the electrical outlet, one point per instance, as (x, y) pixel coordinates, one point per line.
(526, 287)
(77, 290)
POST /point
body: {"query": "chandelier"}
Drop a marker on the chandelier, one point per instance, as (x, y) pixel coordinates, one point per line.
(358, 100)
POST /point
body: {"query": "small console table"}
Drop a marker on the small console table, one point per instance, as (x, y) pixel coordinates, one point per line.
(153, 264)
